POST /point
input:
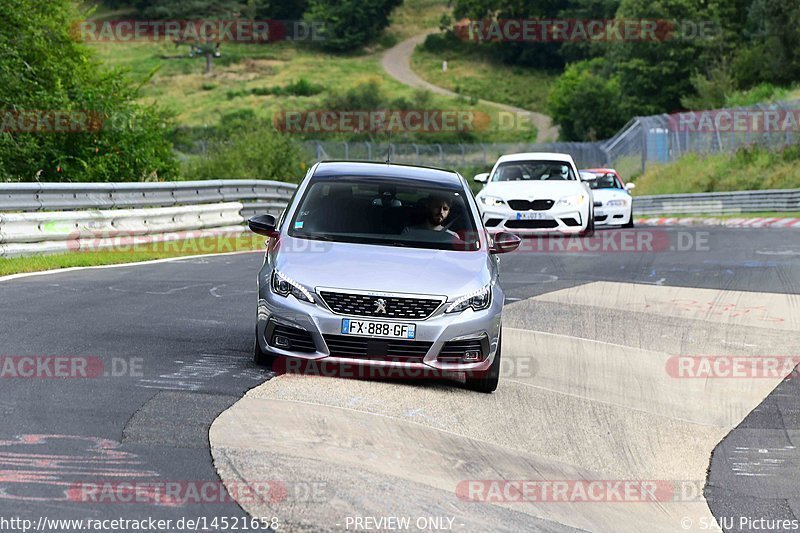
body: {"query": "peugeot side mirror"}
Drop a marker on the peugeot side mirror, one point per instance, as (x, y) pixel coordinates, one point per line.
(263, 225)
(504, 242)
(482, 177)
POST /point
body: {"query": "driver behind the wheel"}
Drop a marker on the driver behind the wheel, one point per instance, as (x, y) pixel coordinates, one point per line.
(437, 209)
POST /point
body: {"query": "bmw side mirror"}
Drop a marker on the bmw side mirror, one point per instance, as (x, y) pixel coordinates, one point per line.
(504, 242)
(263, 225)
(482, 178)
(630, 186)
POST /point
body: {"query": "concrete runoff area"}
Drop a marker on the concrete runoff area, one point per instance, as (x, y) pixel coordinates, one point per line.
(569, 409)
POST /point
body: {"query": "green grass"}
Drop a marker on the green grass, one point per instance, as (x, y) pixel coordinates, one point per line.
(246, 74)
(181, 86)
(132, 254)
(748, 169)
(413, 18)
(473, 74)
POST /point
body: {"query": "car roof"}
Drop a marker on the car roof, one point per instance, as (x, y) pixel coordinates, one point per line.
(370, 169)
(537, 156)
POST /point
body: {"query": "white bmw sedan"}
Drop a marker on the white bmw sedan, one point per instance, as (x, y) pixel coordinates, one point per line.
(613, 204)
(536, 193)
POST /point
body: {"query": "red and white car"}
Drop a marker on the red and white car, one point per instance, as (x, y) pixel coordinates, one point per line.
(613, 204)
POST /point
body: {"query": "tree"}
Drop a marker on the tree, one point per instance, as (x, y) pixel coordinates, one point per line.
(654, 75)
(772, 53)
(190, 9)
(586, 103)
(44, 71)
(349, 24)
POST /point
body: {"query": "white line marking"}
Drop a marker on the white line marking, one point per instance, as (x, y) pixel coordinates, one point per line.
(11, 277)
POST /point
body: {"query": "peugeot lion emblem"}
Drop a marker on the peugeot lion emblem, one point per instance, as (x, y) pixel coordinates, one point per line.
(380, 306)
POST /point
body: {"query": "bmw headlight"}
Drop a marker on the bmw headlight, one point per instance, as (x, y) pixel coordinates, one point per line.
(282, 285)
(617, 203)
(574, 200)
(478, 300)
(492, 201)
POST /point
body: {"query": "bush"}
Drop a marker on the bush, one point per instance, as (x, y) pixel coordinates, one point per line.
(350, 24)
(250, 151)
(443, 42)
(42, 68)
(763, 92)
(233, 94)
(585, 104)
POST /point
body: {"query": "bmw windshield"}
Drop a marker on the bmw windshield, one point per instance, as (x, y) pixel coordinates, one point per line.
(533, 171)
(386, 212)
(607, 181)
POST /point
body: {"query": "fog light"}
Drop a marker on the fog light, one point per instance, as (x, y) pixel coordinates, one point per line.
(472, 355)
(280, 341)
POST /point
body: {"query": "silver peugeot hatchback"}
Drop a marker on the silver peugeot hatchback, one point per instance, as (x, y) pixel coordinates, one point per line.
(382, 266)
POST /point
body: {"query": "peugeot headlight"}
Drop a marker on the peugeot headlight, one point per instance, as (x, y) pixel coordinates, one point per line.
(617, 203)
(574, 200)
(282, 285)
(492, 201)
(478, 300)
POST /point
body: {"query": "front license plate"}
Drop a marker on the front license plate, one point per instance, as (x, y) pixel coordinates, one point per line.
(599, 213)
(532, 215)
(374, 328)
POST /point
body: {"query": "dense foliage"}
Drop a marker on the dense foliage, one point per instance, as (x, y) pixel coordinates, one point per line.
(242, 147)
(44, 72)
(718, 51)
(348, 24)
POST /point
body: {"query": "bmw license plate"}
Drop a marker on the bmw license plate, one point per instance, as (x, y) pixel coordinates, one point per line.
(374, 328)
(599, 213)
(532, 215)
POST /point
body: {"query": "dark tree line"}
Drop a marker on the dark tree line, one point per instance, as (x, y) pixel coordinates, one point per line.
(750, 43)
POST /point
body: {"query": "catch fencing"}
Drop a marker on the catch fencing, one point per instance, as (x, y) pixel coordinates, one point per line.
(640, 144)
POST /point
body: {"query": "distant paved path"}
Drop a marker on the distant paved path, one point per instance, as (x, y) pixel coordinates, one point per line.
(397, 62)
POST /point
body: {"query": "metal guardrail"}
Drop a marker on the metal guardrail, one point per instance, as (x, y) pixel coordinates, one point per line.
(25, 197)
(38, 218)
(71, 225)
(59, 217)
(718, 203)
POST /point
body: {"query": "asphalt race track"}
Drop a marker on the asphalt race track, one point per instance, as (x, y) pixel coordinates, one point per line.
(587, 395)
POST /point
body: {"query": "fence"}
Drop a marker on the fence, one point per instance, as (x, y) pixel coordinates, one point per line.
(447, 155)
(642, 142)
(661, 139)
(60, 217)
